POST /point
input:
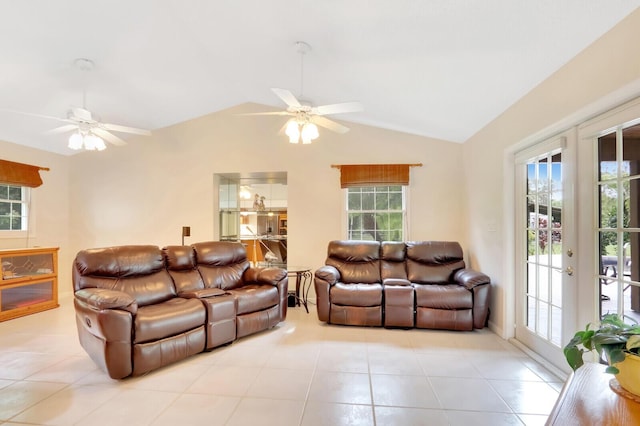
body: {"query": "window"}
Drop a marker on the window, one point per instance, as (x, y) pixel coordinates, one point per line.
(13, 207)
(376, 213)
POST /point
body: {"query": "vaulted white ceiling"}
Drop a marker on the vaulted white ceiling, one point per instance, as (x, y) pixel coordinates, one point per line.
(437, 68)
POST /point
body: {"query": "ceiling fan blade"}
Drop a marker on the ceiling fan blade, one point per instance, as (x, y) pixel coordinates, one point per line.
(269, 113)
(329, 124)
(338, 108)
(62, 129)
(31, 114)
(287, 97)
(125, 129)
(108, 136)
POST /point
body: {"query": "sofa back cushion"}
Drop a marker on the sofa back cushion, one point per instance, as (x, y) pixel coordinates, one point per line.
(433, 262)
(134, 269)
(221, 263)
(357, 261)
(181, 264)
(392, 260)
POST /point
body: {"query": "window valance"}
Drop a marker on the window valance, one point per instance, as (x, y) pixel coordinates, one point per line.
(20, 174)
(354, 175)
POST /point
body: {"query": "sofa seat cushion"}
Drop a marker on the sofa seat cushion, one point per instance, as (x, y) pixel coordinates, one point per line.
(175, 316)
(356, 294)
(448, 296)
(255, 297)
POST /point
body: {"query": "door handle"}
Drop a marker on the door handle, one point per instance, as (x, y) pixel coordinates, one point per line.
(569, 270)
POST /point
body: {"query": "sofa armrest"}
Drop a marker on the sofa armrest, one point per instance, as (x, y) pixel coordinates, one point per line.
(265, 275)
(102, 298)
(328, 274)
(470, 278)
(202, 293)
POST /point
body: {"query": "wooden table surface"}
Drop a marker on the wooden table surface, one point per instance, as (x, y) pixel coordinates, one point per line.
(587, 399)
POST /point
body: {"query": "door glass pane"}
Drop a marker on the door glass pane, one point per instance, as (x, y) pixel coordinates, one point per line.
(619, 222)
(544, 247)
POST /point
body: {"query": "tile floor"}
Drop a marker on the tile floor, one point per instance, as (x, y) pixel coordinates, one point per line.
(300, 373)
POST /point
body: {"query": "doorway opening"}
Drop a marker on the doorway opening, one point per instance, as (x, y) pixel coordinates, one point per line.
(252, 209)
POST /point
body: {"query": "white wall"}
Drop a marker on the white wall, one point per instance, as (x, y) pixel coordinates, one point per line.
(145, 192)
(595, 80)
(50, 206)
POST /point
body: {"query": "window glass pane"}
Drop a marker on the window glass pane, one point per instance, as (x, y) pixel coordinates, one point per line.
(377, 214)
(4, 192)
(609, 205)
(355, 221)
(368, 201)
(355, 201)
(395, 201)
(15, 193)
(382, 201)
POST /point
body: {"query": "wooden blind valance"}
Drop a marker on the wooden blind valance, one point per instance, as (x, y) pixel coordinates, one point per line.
(20, 174)
(354, 175)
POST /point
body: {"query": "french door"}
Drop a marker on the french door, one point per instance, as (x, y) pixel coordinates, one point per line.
(545, 246)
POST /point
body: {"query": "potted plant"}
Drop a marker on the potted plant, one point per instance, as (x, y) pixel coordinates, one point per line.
(616, 343)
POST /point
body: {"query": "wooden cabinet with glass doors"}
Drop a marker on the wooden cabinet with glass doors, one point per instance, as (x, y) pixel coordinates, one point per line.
(29, 281)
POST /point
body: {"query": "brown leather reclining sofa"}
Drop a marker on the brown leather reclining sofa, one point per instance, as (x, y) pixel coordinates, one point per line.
(139, 308)
(396, 284)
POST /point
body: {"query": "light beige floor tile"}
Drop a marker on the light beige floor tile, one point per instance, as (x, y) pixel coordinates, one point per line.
(241, 355)
(348, 388)
(526, 397)
(466, 418)
(382, 339)
(505, 368)
(99, 378)
(328, 413)
(393, 416)
(467, 394)
(21, 395)
(333, 362)
(447, 365)
(225, 380)
(5, 383)
(348, 359)
(403, 391)
(266, 412)
(20, 365)
(533, 419)
(433, 341)
(130, 407)
(541, 371)
(67, 406)
(296, 357)
(196, 410)
(171, 378)
(395, 362)
(278, 383)
(69, 370)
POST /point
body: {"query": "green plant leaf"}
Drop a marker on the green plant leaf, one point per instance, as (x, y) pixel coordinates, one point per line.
(616, 355)
(633, 342)
(611, 370)
(574, 357)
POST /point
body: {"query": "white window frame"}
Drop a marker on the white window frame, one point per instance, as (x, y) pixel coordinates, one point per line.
(405, 215)
(26, 210)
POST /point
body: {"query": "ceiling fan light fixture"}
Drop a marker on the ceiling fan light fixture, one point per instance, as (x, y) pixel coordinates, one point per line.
(89, 141)
(75, 141)
(293, 131)
(309, 132)
(99, 143)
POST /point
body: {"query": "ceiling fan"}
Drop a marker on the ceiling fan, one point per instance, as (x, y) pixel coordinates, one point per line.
(88, 131)
(305, 117)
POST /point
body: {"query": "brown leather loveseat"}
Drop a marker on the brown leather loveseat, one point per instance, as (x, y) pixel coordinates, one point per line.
(140, 307)
(421, 284)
